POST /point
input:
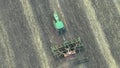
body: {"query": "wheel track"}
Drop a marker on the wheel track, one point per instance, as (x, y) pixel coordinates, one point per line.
(5, 44)
(99, 35)
(117, 4)
(35, 30)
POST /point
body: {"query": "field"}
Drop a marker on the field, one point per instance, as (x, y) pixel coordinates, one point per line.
(27, 32)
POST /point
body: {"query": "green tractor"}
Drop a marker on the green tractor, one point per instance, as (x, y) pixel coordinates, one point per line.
(67, 48)
(58, 24)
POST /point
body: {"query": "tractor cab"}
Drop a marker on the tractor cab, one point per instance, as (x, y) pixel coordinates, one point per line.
(58, 24)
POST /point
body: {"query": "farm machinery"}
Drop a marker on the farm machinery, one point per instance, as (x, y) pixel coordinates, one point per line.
(58, 24)
(69, 47)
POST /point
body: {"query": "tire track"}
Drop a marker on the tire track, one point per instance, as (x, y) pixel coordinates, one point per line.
(108, 16)
(99, 35)
(9, 53)
(117, 4)
(35, 34)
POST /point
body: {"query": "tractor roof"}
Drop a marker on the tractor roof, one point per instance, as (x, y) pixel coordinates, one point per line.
(59, 25)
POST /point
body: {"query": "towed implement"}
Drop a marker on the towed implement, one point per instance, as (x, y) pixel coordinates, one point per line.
(68, 48)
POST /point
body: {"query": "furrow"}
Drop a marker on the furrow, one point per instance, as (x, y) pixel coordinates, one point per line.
(35, 30)
(99, 35)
